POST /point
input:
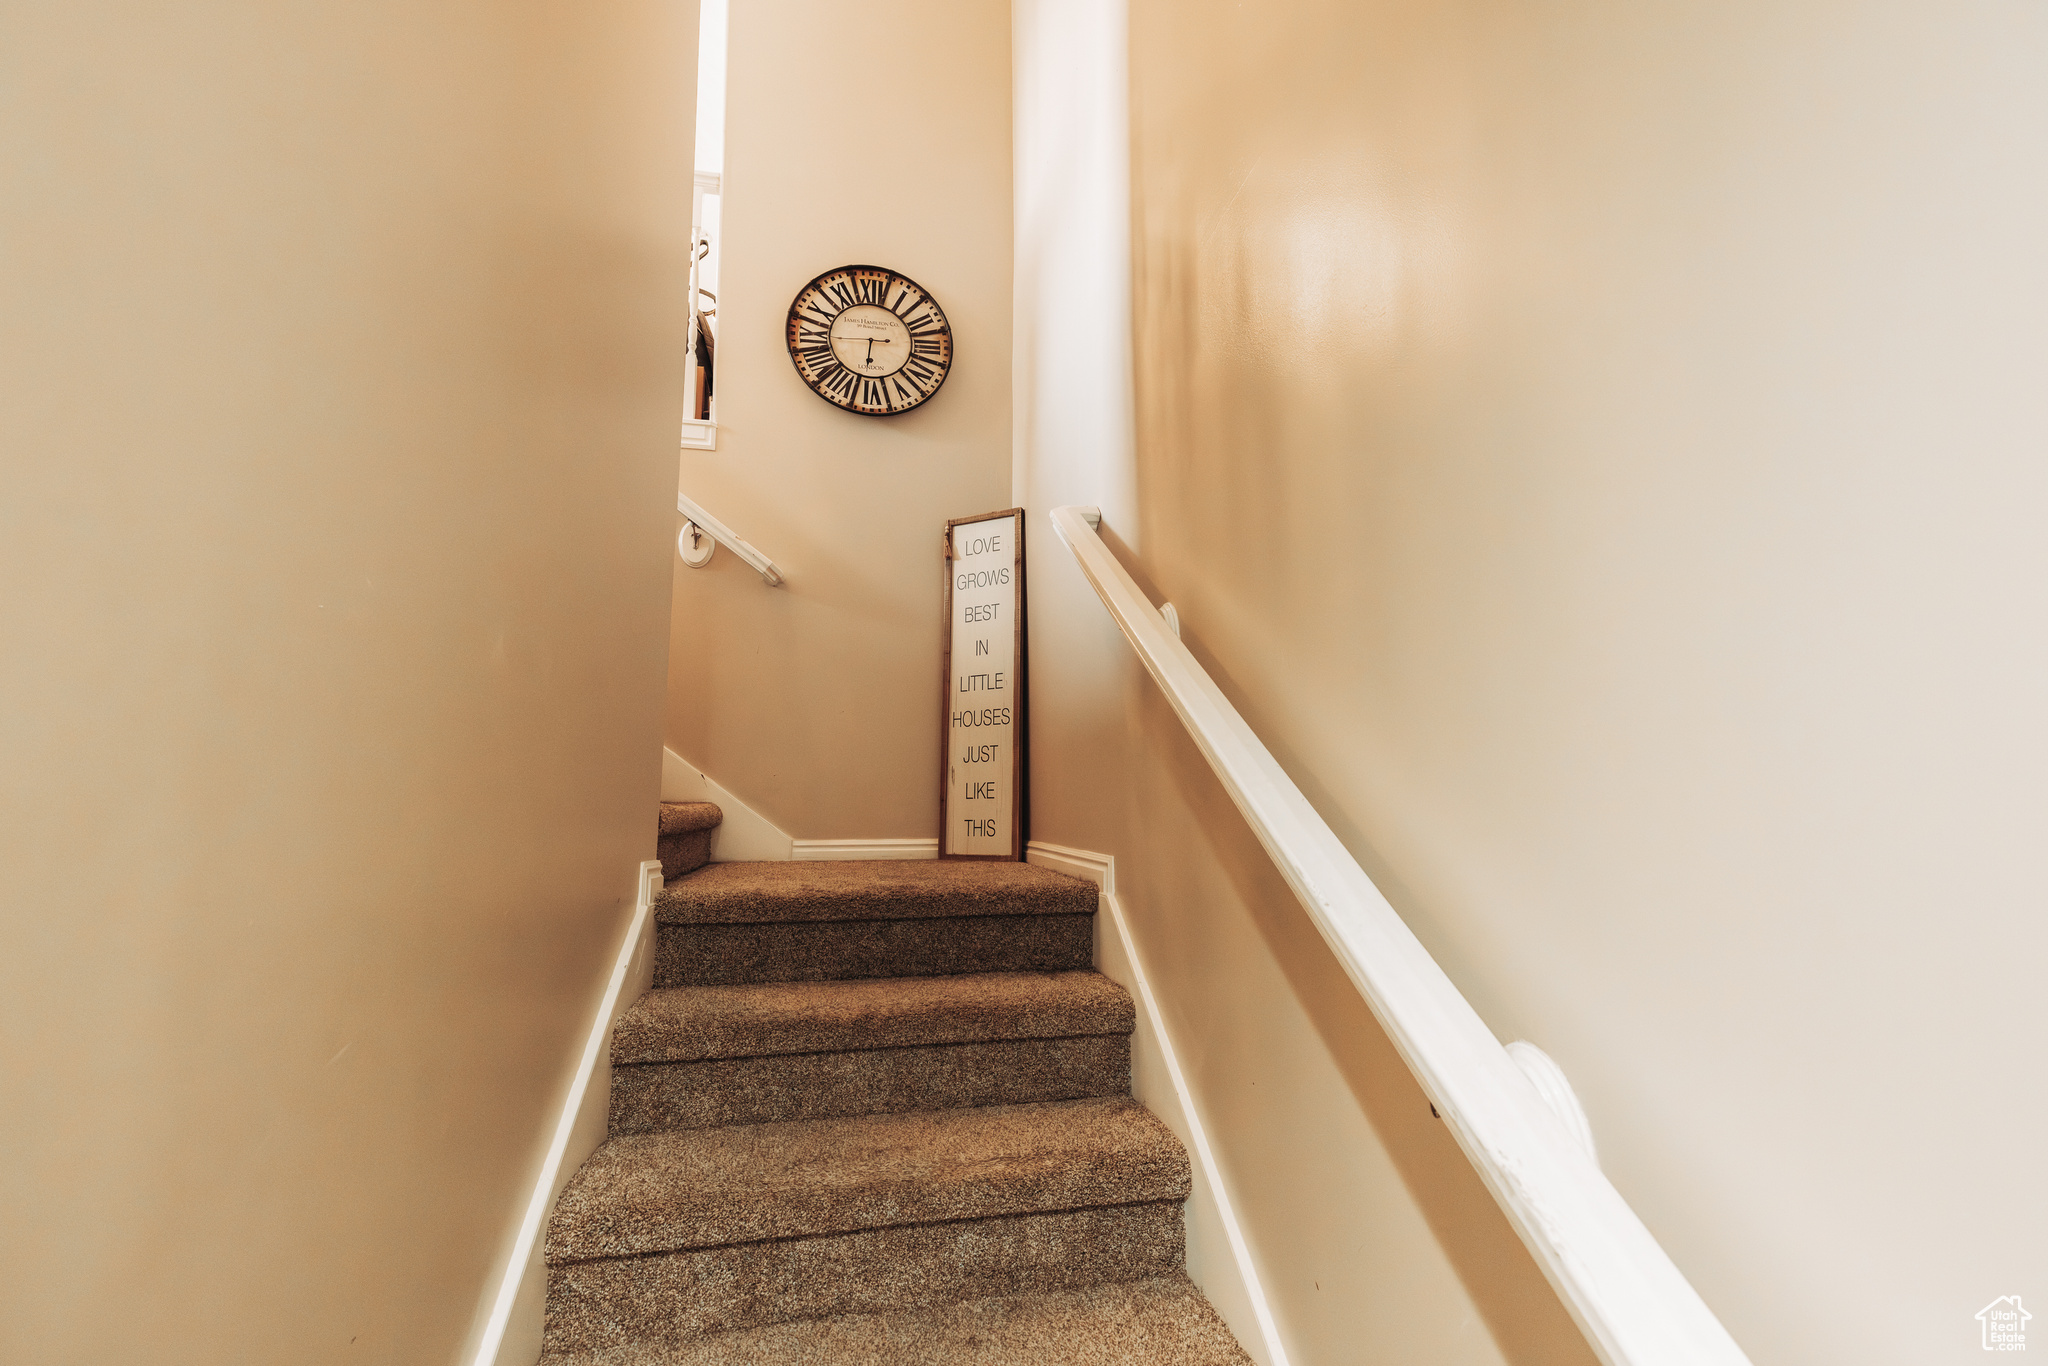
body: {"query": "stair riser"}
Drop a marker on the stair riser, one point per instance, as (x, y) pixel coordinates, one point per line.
(681, 1295)
(702, 1095)
(683, 853)
(757, 893)
(819, 951)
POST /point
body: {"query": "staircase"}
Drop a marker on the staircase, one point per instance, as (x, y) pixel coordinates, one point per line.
(874, 1112)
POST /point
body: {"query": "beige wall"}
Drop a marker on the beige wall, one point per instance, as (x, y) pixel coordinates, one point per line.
(341, 353)
(1369, 1235)
(1599, 449)
(817, 702)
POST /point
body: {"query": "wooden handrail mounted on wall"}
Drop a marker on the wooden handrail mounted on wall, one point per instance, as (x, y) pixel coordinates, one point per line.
(1623, 1290)
(727, 537)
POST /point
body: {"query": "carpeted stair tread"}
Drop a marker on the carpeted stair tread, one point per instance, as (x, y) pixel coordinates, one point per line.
(747, 1183)
(680, 1297)
(678, 1024)
(878, 889)
(683, 818)
(784, 1087)
(1163, 1321)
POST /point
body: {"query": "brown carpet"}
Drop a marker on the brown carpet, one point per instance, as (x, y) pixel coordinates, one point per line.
(674, 1296)
(682, 818)
(876, 1111)
(683, 838)
(817, 1017)
(1160, 1320)
(707, 1187)
(790, 1086)
(881, 889)
(758, 1053)
(823, 951)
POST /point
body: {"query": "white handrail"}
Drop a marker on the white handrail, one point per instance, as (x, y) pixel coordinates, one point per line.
(1633, 1304)
(725, 536)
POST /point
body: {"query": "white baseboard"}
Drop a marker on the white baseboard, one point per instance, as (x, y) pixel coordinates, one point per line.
(512, 1331)
(1219, 1259)
(818, 851)
(744, 834)
(1099, 869)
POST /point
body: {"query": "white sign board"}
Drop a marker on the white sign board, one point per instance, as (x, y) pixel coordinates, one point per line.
(981, 803)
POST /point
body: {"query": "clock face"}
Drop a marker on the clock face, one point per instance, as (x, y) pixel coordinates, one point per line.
(869, 340)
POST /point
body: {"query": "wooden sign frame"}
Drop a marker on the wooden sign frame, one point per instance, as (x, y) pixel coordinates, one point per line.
(951, 699)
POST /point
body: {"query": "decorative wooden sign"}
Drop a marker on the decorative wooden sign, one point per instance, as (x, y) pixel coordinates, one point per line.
(981, 764)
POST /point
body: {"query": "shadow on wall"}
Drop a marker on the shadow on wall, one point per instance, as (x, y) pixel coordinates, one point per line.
(1527, 1322)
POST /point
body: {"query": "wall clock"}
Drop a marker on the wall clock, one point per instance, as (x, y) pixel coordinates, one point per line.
(869, 340)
